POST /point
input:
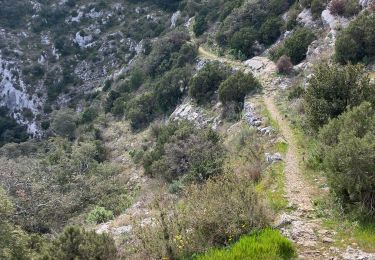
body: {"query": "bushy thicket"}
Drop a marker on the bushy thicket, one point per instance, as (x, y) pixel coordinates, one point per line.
(163, 79)
(295, 46)
(203, 86)
(10, 130)
(211, 214)
(254, 22)
(208, 12)
(13, 14)
(356, 42)
(53, 181)
(334, 88)
(185, 153)
(348, 152)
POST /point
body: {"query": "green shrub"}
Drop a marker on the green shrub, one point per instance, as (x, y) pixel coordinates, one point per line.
(200, 25)
(99, 215)
(89, 115)
(349, 152)
(295, 46)
(270, 30)
(333, 88)
(237, 86)
(169, 90)
(244, 40)
(136, 79)
(10, 130)
(64, 123)
(141, 110)
(266, 244)
(76, 243)
(356, 42)
(207, 81)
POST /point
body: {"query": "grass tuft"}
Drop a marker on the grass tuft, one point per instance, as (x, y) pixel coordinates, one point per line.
(266, 244)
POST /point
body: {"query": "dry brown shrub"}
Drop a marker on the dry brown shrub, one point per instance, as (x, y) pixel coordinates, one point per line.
(284, 65)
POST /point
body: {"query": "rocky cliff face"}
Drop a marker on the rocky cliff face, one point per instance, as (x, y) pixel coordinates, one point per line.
(65, 50)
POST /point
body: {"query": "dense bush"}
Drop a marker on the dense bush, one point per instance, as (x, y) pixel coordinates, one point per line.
(141, 110)
(13, 14)
(265, 244)
(333, 88)
(168, 53)
(207, 81)
(183, 152)
(271, 30)
(209, 215)
(237, 86)
(349, 153)
(243, 41)
(284, 65)
(356, 42)
(10, 130)
(76, 243)
(169, 90)
(64, 123)
(99, 215)
(295, 46)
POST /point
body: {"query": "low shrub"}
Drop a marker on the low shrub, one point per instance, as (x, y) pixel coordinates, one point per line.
(265, 244)
(284, 65)
(99, 215)
(212, 214)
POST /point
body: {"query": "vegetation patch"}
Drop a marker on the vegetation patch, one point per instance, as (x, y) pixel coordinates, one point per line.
(265, 244)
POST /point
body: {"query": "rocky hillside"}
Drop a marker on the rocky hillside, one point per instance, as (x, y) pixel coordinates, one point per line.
(187, 129)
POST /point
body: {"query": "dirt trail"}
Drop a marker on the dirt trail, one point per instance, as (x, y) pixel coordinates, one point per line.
(301, 224)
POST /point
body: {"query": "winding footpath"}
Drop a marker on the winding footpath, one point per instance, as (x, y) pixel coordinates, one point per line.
(301, 224)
